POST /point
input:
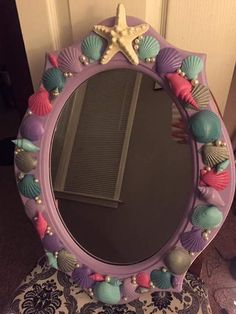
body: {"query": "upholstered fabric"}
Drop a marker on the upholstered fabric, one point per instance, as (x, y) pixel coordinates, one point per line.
(48, 291)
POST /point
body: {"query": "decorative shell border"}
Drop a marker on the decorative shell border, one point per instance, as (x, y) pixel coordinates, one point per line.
(116, 45)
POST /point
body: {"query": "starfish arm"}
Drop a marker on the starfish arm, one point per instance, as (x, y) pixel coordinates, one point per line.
(121, 16)
(102, 30)
(109, 54)
(138, 30)
(130, 53)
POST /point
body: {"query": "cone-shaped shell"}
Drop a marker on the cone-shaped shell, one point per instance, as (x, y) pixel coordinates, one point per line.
(68, 60)
(53, 59)
(53, 79)
(161, 279)
(168, 60)
(28, 187)
(205, 126)
(26, 145)
(66, 261)
(92, 47)
(148, 47)
(51, 243)
(107, 293)
(81, 276)
(32, 208)
(25, 162)
(192, 66)
(39, 103)
(41, 225)
(222, 166)
(97, 277)
(52, 260)
(178, 261)
(212, 155)
(128, 289)
(193, 241)
(32, 128)
(207, 217)
(201, 95)
(211, 196)
(143, 279)
(218, 181)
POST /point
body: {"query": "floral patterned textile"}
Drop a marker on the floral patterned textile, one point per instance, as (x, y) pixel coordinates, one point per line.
(48, 291)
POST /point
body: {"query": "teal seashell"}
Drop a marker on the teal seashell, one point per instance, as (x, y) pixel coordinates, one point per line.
(161, 279)
(29, 187)
(192, 66)
(222, 166)
(52, 260)
(92, 47)
(107, 293)
(53, 80)
(26, 145)
(178, 260)
(207, 217)
(148, 47)
(205, 126)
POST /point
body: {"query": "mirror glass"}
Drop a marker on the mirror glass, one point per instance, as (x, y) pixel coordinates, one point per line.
(121, 181)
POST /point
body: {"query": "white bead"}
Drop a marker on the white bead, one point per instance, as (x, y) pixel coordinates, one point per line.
(179, 71)
(148, 60)
(107, 278)
(125, 299)
(182, 74)
(164, 269)
(137, 41)
(136, 47)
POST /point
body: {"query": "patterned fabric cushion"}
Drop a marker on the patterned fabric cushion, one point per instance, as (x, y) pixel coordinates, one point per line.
(48, 291)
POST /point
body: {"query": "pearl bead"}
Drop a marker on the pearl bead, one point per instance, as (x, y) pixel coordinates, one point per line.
(192, 253)
(21, 175)
(50, 233)
(152, 284)
(36, 180)
(164, 270)
(66, 74)
(137, 41)
(90, 290)
(205, 235)
(224, 144)
(125, 299)
(39, 201)
(182, 74)
(208, 168)
(136, 47)
(77, 265)
(140, 37)
(86, 62)
(107, 278)
(179, 71)
(218, 143)
(70, 74)
(153, 59)
(82, 58)
(148, 60)
(30, 112)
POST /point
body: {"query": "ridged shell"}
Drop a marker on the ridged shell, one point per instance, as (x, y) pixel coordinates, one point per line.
(143, 280)
(128, 289)
(66, 261)
(211, 196)
(52, 260)
(192, 66)
(178, 261)
(41, 225)
(218, 181)
(32, 208)
(25, 162)
(205, 126)
(68, 60)
(51, 243)
(222, 166)
(32, 128)
(212, 155)
(97, 277)
(148, 47)
(177, 282)
(39, 103)
(161, 279)
(81, 277)
(207, 217)
(193, 241)
(26, 145)
(201, 95)
(107, 293)
(53, 80)
(168, 60)
(92, 47)
(53, 59)
(28, 187)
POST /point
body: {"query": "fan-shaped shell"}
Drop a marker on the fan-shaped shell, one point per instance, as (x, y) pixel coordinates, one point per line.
(218, 181)
(41, 225)
(222, 166)
(25, 162)
(107, 293)
(32, 128)
(39, 103)
(193, 241)
(161, 279)
(92, 47)
(205, 126)
(212, 155)
(68, 60)
(148, 47)
(51, 243)
(168, 60)
(28, 187)
(143, 280)
(211, 196)
(201, 95)
(207, 217)
(81, 276)
(178, 261)
(32, 208)
(128, 289)
(66, 261)
(26, 145)
(192, 66)
(52, 260)
(53, 80)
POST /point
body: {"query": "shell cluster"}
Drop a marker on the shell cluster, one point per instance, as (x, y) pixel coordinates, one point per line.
(147, 48)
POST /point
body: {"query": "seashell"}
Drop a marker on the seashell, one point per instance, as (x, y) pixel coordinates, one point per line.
(32, 208)
(68, 60)
(81, 276)
(32, 128)
(177, 282)
(25, 162)
(169, 60)
(52, 260)
(66, 261)
(201, 95)
(193, 241)
(26, 145)
(52, 243)
(107, 292)
(39, 103)
(205, 126)
(161, 279)
(53, 59)
(178, 126)
(53, 80)
(92, 47)
(181, 88)
(192, 66)
(128, 289)
(222, 166)
(207, 217)
(218, 181)
(211, 196)
(148, 47)
(212, 155)
(97, 277)
(28, 187)
(143, 280)
(178, 261)
(41, 225)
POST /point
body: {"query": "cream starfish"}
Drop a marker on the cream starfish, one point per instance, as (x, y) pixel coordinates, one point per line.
(120, 37)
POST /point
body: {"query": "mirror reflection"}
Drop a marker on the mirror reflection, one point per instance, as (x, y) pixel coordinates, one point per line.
(121, 181)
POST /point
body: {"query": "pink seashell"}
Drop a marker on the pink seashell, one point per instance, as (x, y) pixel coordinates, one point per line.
(53, 59)
(143, 280)
(211, 196)
(39, 103)
(219, 181)
(41, 225)
(97, 277)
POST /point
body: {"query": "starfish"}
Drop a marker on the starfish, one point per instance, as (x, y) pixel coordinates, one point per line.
(120, 37)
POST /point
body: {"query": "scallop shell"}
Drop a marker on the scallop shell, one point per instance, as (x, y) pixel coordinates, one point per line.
(52, 260)
(68, 60)
(107, 293)
(81, 277)
(51, 243)
(218, 181)
(26, 145)
(143, 280)
(168, 60)
(207, 217)
(53, 80)
(222, 166)
(177, 282)
(28, 187)
(39, 103)
(212, 155)
(128, 289)
(66, 261)
(211, 196)
(148, 47)
(32, 128)
(53, 59)
(32, 208)
(41, 225)
(25, 162)
(161, 279)
(192, 66)
(178, 261)
(193, 241)
(201, 95)
(92, 47)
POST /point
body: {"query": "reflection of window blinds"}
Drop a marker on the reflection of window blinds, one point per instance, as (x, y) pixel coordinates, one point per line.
(95, 157)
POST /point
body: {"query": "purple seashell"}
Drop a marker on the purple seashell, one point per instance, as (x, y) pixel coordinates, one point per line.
(168, 61)
(176, 282)
(211, 196)
(51, 243)
(128, 289)
(32, 208)
(193, 241)
(32, 128)
(69, 60)
(81, 277)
